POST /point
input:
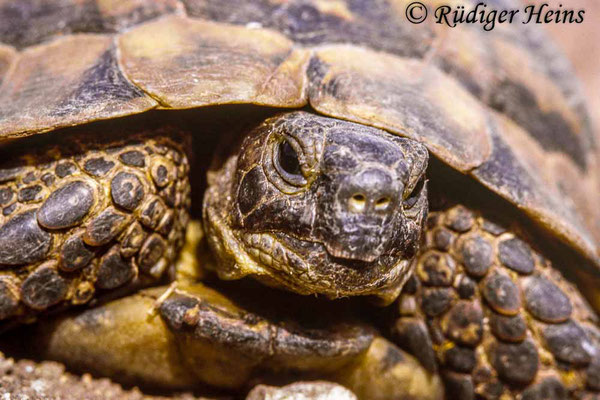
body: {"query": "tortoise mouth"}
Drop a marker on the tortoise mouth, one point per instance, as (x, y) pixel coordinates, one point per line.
(307, 267)
(333, 253)
(367, 253)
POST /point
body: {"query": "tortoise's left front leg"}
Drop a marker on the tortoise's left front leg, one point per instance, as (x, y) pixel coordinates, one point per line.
(494, 317)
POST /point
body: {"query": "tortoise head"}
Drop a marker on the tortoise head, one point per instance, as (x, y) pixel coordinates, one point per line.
(319, 205)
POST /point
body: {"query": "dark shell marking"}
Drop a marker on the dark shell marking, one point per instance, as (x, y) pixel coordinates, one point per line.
(105, 227)
(163, 172)
(436, 269)
(412, 335)
(549, 388)
(435, 301)
(502, 294)
(463, 324)
(132, 240)
(506, 326)
(515, 363)
(515, 254)
(75, 254)
(152, 212)
(569, 343)
(461, 359)
(508, 329)
(151, 252)
(97, 239)
(477, 255)
(133, 157)
(459, 386)
(30, 194)
(30, 25)
(98, 166)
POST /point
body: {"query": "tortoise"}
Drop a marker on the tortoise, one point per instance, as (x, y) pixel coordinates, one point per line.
(217, 194)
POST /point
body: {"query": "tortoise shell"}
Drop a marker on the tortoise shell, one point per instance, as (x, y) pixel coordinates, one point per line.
(500, 106)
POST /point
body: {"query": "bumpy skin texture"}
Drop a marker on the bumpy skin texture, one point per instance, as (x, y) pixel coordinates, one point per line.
(494, 318)
(87, 216)
(318, 205)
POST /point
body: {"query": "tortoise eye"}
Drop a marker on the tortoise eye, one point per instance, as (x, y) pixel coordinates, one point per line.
(287, 163)
(288, 159)
(412, 198)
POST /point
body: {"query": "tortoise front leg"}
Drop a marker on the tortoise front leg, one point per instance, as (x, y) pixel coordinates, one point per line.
(494, 318)
(92, 214)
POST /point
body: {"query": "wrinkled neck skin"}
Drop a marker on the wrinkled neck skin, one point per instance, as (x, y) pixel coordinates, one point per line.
(316, 205)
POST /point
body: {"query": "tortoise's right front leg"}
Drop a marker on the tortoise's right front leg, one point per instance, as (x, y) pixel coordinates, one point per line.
(494, 318)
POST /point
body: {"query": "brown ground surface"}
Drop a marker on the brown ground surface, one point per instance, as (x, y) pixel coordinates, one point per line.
(48, 381)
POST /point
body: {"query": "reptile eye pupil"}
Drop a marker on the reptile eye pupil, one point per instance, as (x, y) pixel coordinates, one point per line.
(288, 159)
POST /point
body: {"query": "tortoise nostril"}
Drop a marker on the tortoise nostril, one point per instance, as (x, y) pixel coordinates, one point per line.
(357, 203)
(382, 203)
(359, 197)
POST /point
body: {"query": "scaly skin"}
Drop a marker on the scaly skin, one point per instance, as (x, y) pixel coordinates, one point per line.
(494, 318)
(87, 216)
